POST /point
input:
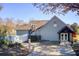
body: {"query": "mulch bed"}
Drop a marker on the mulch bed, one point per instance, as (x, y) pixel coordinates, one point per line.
(76, 49)
(14, 51)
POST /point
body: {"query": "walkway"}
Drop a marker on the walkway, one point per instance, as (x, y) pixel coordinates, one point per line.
(48, 49)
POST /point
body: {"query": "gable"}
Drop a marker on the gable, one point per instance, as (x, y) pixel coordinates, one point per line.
(54, 21)
(65, 30)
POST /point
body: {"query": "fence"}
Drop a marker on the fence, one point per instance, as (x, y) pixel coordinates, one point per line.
(16, 38)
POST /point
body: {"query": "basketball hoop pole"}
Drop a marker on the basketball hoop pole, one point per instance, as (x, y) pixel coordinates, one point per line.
(29, 39)
(29, 44)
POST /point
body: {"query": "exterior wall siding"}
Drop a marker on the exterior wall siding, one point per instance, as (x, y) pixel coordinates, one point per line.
(21, 32)
(49, 32)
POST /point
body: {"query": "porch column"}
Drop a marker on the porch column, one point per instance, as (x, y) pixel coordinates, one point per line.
(71, 39)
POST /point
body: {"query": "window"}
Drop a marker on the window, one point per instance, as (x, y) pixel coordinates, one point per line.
(55, 24)
(62, 37)
(65, 36)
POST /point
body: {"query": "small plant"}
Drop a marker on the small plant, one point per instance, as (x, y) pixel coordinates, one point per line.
(5, 42)
(4, 46)
(11, 45)
(21, 45)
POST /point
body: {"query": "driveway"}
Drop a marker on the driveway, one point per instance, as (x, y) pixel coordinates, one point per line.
(49, 49)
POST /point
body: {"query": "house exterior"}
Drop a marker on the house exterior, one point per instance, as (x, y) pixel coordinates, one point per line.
(22, 29)
(54, 30)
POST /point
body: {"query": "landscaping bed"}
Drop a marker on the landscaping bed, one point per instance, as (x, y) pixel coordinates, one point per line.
(16, 49)
(76, 48)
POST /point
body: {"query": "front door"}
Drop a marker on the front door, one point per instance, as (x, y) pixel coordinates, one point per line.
(63, 36)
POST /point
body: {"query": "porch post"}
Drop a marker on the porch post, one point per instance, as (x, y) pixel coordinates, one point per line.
(71, 39)
(59, 37)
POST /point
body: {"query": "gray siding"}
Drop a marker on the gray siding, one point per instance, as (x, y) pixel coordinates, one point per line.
(21, 32)
(49, 32)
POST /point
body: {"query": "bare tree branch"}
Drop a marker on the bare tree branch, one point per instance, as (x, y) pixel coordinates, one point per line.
(60, 8)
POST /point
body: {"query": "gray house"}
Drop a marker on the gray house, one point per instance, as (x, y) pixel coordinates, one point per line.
(54, 30)
(22, 29)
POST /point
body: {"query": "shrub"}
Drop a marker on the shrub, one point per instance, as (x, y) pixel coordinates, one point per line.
(11, 45)
(4, 46)
(18, 45)
(15, 45)
(75, 46)
(35, 38)
(5, 42)
(21, 45)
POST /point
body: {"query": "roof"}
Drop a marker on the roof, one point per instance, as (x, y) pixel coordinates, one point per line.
(70, 27)
(55, 17)
(38, 23)
(66, 29)
(27, 26)
(23, 27)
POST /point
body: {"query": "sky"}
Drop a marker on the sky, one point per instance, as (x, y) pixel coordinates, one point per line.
(27, 12)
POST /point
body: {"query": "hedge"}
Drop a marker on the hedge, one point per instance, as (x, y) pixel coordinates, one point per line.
(35, 38)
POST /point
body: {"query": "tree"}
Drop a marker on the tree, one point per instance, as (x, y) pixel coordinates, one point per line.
(1, 26)
(10, 25)
(60, 8)
(2, 29)
(74, 27)
(1, 23)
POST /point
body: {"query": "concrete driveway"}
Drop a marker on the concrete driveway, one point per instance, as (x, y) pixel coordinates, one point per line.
(49, 49)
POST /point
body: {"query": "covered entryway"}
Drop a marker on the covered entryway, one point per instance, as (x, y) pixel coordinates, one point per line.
(65, 34)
